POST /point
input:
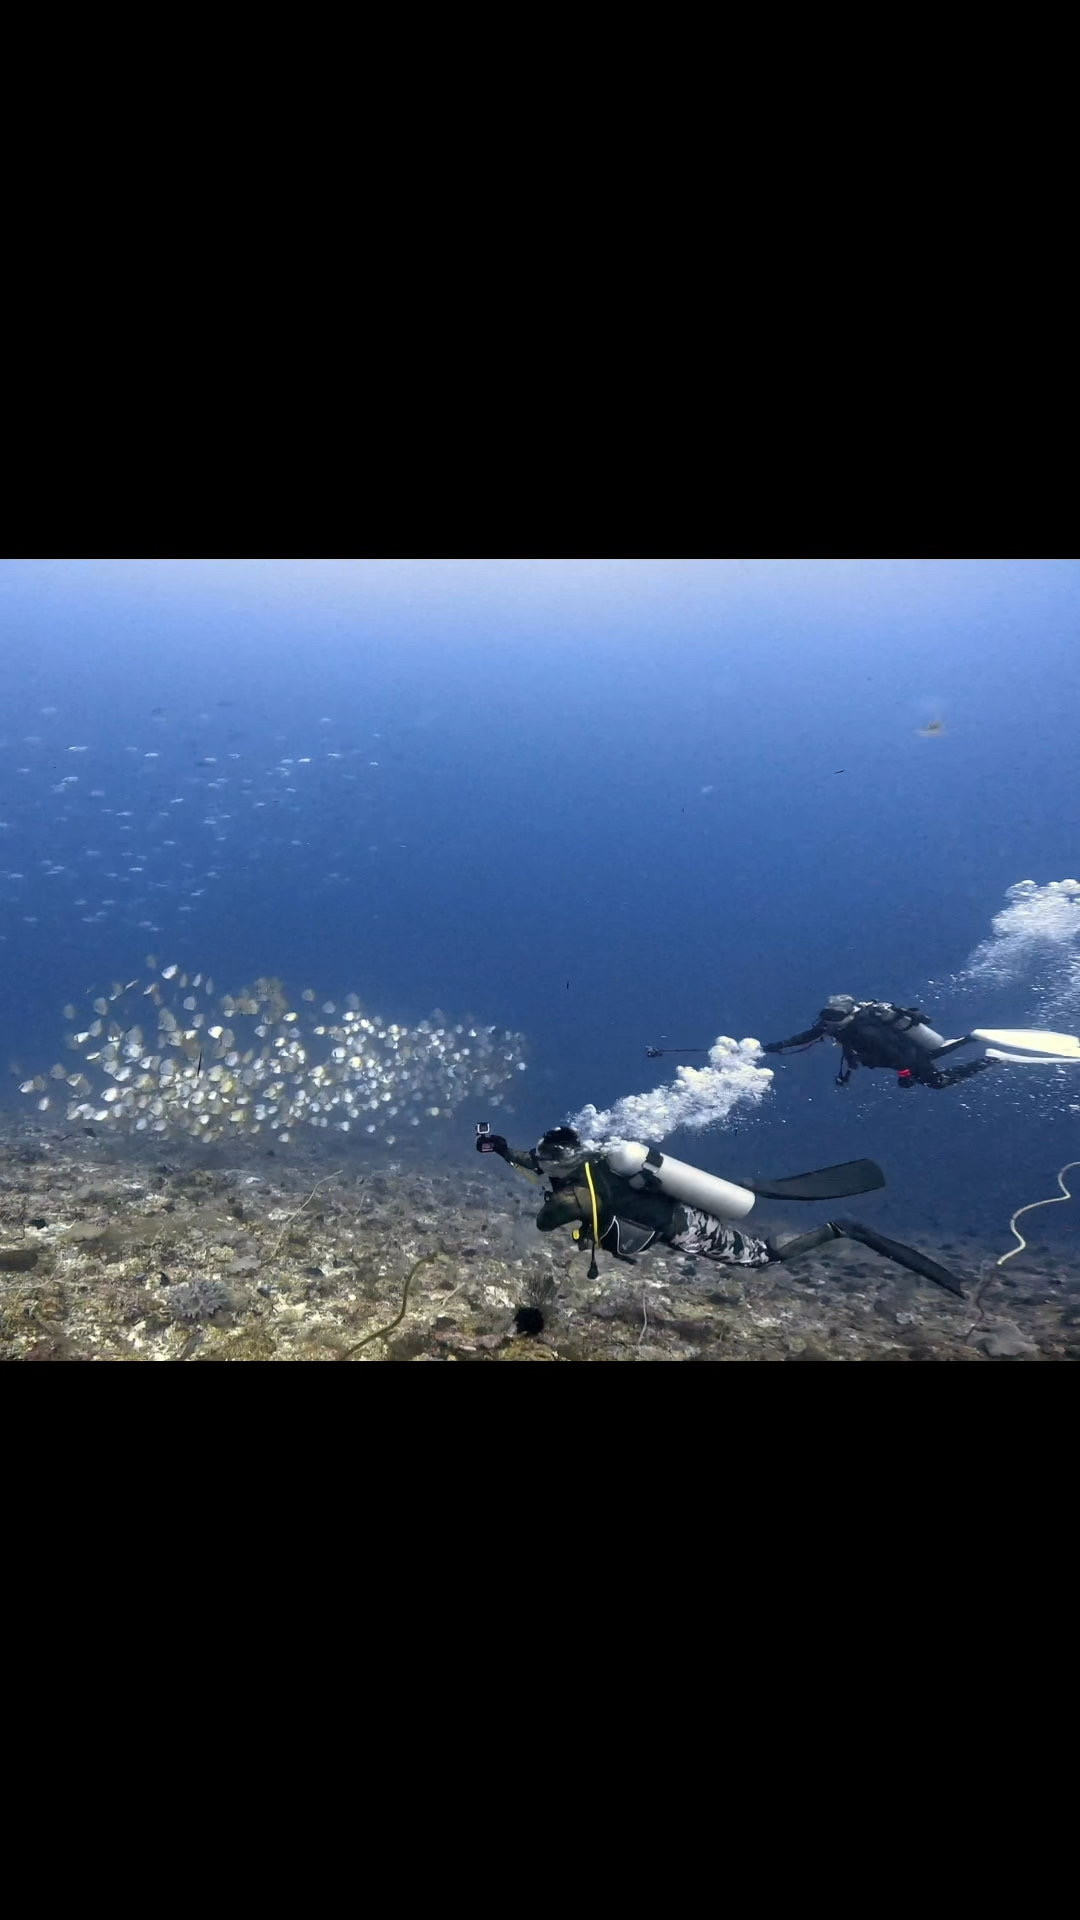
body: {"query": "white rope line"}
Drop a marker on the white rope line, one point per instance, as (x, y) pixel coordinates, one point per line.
(1053, 1201)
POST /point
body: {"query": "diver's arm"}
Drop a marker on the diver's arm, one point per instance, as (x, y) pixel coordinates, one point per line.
(797, 1040)
(524, 1162)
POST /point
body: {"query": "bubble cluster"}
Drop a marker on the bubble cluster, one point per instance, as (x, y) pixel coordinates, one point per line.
(249, 1063)
(696, 1098)
(1035, 942)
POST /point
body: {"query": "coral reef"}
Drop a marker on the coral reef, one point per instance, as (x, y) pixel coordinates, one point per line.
(234, 1253)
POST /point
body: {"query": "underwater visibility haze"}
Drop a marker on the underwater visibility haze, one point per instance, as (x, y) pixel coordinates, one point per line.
(377, 850)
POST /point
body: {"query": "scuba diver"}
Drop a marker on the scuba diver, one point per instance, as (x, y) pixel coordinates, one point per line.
(628, 1196)
(874, 1033)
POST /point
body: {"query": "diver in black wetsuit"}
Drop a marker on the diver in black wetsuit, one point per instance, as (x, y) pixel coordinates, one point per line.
(874, 1033)
(627, 1220)
(625, 1217)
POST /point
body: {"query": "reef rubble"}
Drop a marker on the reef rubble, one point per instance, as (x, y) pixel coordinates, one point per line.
(112, 1250)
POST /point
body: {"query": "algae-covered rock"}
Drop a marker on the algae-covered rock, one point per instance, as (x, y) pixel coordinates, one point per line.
(247, 1343)
(42, 1300)
(89, 1233)
(17, 1259)
(55, 1347)
(1006, 1342)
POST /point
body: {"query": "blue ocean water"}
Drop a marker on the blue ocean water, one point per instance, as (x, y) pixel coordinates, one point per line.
(603, 804)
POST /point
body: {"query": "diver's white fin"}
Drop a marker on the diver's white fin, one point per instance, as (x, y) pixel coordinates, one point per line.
(1024, 1043)
(1033, 1059)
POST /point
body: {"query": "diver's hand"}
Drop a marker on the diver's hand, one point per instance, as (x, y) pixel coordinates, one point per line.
(771, 1046)
(492, 1143)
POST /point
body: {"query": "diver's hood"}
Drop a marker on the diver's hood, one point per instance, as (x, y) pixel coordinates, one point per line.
(839, 1006)
(560, 1151)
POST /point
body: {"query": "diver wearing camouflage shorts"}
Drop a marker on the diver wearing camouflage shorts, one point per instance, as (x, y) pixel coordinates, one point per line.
(625, 1221)
(707, 1238)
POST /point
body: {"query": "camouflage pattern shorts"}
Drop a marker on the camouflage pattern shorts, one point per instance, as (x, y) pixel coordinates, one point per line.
(709, 1239)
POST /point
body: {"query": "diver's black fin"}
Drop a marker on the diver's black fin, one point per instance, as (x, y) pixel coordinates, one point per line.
(908, 1257)
(828, 1183)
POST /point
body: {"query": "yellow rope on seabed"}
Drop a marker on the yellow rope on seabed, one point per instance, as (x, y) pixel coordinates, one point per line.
(1052, 1202)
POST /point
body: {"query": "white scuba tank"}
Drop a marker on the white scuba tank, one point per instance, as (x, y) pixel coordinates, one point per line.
(920, 1036)
(647, 1169)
